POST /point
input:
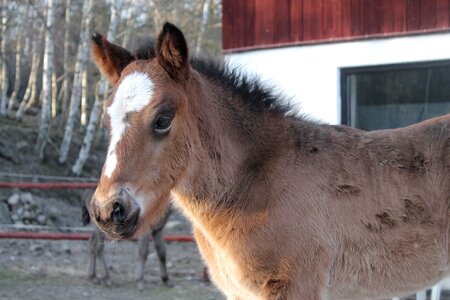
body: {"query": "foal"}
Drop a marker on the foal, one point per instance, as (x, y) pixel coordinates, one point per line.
(283, 207)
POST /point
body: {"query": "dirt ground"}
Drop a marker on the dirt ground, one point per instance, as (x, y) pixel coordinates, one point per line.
(38, 270)
(46, 269)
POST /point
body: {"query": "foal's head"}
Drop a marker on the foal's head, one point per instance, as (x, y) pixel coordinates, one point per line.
(149, 128)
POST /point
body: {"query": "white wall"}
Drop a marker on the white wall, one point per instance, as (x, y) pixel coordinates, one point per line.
(311, 74)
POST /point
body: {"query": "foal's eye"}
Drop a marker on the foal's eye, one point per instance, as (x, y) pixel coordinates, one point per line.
(163, 123)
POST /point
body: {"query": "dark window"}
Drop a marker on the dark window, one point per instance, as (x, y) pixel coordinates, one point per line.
(394, 95)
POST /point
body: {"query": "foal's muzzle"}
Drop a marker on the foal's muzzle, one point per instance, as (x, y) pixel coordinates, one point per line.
(117, 216)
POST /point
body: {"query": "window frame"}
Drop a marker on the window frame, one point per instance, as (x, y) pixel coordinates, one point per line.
(345, 72)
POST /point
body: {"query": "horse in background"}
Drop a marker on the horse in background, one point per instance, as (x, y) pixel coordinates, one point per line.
(282, 207)
(97, 244)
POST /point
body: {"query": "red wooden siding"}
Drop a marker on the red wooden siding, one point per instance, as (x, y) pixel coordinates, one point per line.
(251, 24)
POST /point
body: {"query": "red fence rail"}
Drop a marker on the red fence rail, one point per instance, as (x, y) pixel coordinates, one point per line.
(48, 185)
(44, 236)
(64, 236)
(76, 236)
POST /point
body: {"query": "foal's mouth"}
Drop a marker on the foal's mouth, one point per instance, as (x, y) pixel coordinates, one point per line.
(125, 229)
(130, 225)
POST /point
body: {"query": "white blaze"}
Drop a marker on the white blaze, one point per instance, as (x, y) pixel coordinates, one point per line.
(132, 95)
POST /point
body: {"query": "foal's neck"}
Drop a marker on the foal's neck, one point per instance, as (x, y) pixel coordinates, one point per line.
(235, 144)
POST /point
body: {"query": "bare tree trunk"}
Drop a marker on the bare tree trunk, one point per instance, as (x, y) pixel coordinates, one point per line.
(100, 94)
(116, 7)
(157, 18)
(77, 168)
(80, 65)
(83, 117)
(203, 23)
(19, 55)
(65, 91)
(129, 25)
(30, 87)
(29, 99)
(4, 79)
(54, 94)
(44, 126)
(30, 96)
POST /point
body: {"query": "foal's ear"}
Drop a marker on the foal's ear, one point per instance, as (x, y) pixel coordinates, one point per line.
(172, 51)
(110, 58)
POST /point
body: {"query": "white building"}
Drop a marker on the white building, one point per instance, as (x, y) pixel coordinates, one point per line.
(380, 64)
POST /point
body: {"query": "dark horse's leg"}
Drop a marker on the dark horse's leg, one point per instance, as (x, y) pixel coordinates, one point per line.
(96, 247)
(161, 251)
(92, 257)
(143, 254)
(144, 242)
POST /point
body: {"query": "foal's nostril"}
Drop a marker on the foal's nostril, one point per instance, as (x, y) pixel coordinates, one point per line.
(95, 211)
(118, 213)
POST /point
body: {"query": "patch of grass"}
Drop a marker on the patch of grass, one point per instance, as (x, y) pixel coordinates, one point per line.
(8, 277)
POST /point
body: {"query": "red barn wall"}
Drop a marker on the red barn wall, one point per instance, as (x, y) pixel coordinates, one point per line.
(253, 24)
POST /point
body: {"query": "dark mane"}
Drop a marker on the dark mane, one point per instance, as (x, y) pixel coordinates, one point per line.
(144, 48)
(255, 95)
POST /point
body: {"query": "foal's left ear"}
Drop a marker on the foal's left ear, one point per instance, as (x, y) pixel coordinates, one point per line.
(172, 51)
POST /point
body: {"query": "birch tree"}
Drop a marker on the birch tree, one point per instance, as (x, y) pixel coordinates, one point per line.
(77, 168)
(30, 96)
(100, 95)
(84, 96)
(80, 66)
(4, 71)
(129, 24)
(116, 7)
(30, 93)
(19, 54)
(35, 37)
(65, 90)
(203, 23)
(54, 95)
(44, 126)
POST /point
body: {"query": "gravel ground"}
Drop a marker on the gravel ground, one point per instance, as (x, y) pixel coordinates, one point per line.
(57, 270)
(41, 270)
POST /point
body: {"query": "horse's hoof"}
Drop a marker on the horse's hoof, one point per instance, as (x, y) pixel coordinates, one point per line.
(168, 283)
(94, 280)
(107, 282)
